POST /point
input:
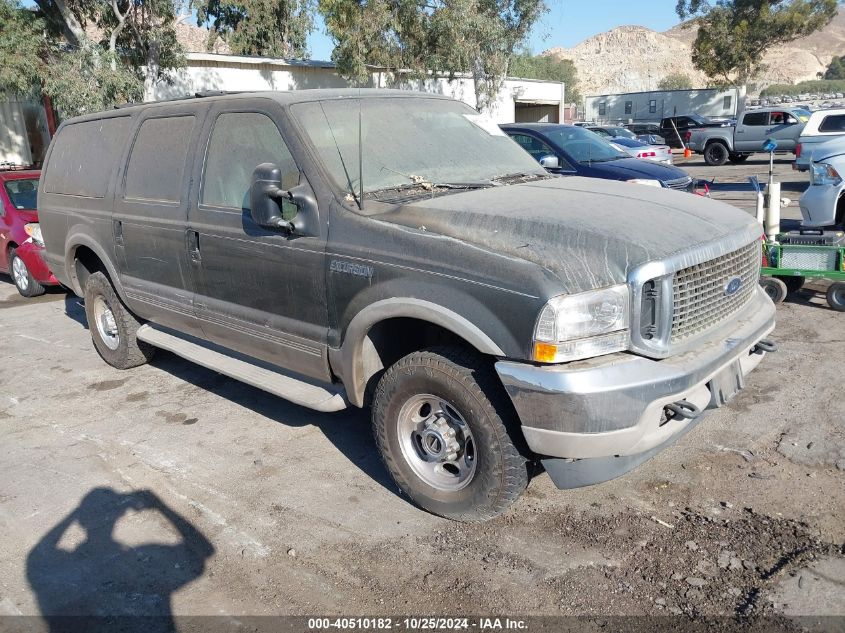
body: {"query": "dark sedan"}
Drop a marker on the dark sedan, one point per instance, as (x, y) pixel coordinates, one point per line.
(567, 149)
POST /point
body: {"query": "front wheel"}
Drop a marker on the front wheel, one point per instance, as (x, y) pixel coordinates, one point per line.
(440, 420)
(26, 284)
(836, 296)
(716, 154)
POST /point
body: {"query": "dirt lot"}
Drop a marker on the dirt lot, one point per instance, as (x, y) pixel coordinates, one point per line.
(172, 489)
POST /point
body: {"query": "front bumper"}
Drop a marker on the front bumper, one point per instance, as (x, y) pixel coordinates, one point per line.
(607, 412)
(818, 205)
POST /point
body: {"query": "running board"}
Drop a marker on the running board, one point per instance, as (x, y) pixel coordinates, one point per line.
(219, 359)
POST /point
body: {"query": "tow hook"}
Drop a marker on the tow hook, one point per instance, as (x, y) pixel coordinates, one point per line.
(764, 346)
(682, 409)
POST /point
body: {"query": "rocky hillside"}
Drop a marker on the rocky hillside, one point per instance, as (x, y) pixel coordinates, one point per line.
(632, 58)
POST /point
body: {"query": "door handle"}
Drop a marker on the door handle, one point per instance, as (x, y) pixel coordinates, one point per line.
(117, 228)
(193, 239)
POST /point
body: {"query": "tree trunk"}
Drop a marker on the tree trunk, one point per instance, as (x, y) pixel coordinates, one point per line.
(151, 71)
(121, 22)
(74, 32)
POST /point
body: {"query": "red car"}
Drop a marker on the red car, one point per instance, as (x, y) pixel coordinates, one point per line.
(21, 245)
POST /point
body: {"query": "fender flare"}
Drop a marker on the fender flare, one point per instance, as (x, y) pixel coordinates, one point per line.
(74, 241)
(351, 352)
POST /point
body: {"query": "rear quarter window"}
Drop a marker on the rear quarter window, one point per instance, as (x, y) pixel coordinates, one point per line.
(84, 157)
(833, 123)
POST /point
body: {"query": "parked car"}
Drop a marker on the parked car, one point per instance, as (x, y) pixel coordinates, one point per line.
(736, 143)
(565, 149)
(21, 245)
(612, 131)
(646, 151)
(822, 127)
(673, 128)
(647, 133)
(459, 299)
(823, 203)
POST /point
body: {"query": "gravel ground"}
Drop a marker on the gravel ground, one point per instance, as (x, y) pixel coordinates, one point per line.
(169, 489)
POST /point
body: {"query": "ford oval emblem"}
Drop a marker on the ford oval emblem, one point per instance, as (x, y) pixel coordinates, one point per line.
(733, 286)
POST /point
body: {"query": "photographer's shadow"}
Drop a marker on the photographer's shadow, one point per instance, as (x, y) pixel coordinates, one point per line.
(99, 584)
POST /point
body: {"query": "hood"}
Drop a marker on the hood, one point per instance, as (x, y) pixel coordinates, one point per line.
(27, 215)
(628, 168)
(587, 232)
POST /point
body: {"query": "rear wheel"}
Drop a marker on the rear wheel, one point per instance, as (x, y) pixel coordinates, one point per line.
(716, 154)
(774, 288)
(836, 296)
(113, 327)
(440, 420)
(24, 281)
(736, 159)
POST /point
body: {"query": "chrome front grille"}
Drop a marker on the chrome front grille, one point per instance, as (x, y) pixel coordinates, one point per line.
(700, 298)
(679, 183)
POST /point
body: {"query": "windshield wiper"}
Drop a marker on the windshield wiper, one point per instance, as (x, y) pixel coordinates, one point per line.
(516, 176)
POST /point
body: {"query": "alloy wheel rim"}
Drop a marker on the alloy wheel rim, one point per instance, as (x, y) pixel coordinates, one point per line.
(437, 443)
(106, 324)
(20, 273)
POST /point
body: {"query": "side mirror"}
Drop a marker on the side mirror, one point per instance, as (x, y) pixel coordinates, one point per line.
(265, 197)
(550, 162)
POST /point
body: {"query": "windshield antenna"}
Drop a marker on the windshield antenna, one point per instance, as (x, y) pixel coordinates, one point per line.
(360, 157)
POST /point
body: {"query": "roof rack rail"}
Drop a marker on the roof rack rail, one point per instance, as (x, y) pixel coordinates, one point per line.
(197, 95)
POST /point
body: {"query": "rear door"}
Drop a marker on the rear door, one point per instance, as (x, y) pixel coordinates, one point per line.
(151, 214)
(750, 133)
(260, 292)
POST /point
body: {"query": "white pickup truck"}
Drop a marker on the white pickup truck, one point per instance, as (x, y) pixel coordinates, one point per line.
(736, 143)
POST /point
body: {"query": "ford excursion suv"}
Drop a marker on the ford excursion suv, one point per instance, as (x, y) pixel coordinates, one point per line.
(398, 251)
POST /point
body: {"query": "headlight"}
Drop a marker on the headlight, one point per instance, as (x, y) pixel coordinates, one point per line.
(583, 325)
(33, 229)
(824, 174)
(646, 181)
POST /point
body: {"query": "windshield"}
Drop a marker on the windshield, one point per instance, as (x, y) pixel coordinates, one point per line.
(584, 146)
(410, 142)
(22, 192)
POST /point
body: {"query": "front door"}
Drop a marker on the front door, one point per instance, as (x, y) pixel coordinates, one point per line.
(783, 128)
(260, 292)
(150, 217)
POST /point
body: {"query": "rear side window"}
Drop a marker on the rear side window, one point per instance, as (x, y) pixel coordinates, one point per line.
(84, 157)
(157, 163)
(239, 143)
(833, 123)
(756, 118)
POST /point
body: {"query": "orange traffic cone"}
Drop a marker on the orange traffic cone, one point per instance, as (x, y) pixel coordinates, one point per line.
(687, 152)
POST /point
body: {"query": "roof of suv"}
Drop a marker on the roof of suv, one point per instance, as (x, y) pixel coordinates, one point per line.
(284, 97)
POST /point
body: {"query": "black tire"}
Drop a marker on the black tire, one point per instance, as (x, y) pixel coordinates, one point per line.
(794, 283)
(467, 382)
(775, 288)
(25, 283)
(128, 351)
(836, 296)
(716, 154)
(736, 159)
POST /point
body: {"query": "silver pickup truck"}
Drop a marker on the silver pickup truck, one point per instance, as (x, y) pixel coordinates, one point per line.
(736, 143)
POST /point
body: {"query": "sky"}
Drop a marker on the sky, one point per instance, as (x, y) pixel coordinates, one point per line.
(567, 22)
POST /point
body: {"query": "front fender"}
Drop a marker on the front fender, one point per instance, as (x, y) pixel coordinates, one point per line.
(78, 238)
(351, 356)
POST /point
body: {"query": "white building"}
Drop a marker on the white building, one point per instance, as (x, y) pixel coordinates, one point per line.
(652, 106)
(519, 100)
